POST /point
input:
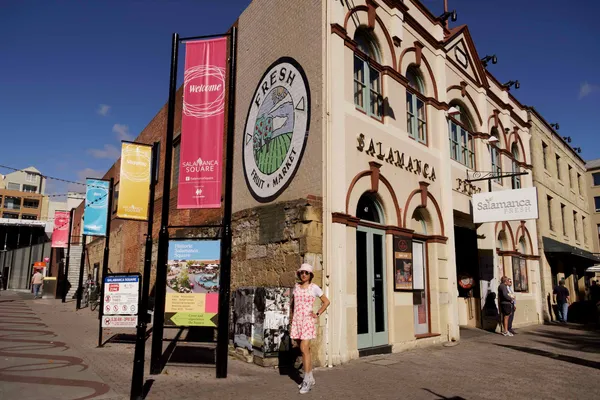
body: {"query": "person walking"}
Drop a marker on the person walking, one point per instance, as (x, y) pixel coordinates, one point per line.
(303, 319)
(36, 281)
(561, 299)
(505, 305)
(513, 297)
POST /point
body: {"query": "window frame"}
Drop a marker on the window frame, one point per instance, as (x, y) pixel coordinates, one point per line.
(462, 132)
(549, 201)
(415, 125)
(545, 154)
(596, 203)
(575, 226)
(594, 174)
(496, 163)
(371, 107)
(558, 167)
(570, 172)
(516, 180)
(563, 209)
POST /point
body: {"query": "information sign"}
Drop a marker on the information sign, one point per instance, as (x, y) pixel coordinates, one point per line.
(121, 301)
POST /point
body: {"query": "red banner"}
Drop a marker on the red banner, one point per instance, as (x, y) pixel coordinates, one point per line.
(60, 234)
(202, 125)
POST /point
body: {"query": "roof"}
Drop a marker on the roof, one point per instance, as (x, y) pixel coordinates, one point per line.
(592, 164)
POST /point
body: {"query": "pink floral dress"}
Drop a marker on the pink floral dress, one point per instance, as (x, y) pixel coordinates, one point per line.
(303, 324)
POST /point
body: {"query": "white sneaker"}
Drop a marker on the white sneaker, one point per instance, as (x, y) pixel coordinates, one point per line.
(312, 382)
(306, 386)
(506, 334)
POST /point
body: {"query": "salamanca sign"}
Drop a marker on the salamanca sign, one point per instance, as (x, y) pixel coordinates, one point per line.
(505, 205)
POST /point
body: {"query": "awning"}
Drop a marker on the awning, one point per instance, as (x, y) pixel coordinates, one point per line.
(562, 249)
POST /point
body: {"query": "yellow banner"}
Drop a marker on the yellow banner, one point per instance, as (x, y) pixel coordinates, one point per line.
(134, 185)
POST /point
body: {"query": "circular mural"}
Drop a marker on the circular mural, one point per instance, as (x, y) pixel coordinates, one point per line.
(276, 129)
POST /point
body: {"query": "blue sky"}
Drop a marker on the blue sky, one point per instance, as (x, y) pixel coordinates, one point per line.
(76, 77)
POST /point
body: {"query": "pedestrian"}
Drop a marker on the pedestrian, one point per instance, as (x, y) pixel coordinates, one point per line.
(561, 299)
(505, 305)
(36, 281)
(303, 319)
(513, 297)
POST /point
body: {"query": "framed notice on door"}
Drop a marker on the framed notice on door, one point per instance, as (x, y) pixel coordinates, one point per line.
(403, 263)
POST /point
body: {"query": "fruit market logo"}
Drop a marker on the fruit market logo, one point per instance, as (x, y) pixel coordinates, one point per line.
(276, 130)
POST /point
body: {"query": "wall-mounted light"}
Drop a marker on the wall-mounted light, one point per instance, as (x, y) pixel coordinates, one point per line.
(449, 14)
(555, 126)
(485, 60)
(577, 149)
(493, 139)
(508, 84)
(567, 139)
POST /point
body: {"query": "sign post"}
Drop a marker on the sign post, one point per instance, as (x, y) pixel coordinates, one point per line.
(65, 288)
(105, 257)
(137, 379)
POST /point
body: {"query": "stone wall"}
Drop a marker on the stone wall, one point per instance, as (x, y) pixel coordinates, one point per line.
(270, 243)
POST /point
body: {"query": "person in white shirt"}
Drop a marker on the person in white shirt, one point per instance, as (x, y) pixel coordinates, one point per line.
(513, 296)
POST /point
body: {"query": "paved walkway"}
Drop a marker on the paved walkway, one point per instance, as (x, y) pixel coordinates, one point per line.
(59, 360)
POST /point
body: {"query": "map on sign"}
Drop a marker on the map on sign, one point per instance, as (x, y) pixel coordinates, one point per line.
(121, 298)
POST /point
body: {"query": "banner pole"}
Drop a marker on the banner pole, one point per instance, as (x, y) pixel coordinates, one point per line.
(137, 379)
(225, 273)
(163, 235)
(105, 258)
(81, 267)
(67, 259)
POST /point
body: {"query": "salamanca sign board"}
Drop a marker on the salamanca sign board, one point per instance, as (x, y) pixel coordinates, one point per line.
(505, 205)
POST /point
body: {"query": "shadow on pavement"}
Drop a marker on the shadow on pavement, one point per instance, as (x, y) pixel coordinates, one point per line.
(287, 364)
(147, 386)
(554, 356)
(443, 397)
(588, 342)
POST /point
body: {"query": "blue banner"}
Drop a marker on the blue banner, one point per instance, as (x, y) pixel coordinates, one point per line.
(96, 207)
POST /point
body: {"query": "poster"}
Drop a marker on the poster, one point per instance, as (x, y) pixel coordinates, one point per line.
(60, 234)
(193, 272)
(121, 300)
(403, 263)
(96, 207)
(202, 124)
(134, 191)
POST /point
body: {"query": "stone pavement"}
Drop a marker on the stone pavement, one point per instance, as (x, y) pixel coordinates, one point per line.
(543, 362)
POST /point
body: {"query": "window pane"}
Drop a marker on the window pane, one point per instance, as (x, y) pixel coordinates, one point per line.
(176, 162)
(13, 186)
(375, 86)
(421, 115)
(359, 82)
(597, 202)
(596, 177)
(410, 114)
(30, 188)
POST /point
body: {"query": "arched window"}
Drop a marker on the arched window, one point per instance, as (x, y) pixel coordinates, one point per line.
(495, 155)
(516, 180)
(419, 222)
(367, 80)
(522, 245)
(501, 241)
(462, 144)
(368, 209)
(416, 116)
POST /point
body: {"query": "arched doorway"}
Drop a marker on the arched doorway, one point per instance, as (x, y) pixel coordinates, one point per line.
(370, 274)
(420, 220)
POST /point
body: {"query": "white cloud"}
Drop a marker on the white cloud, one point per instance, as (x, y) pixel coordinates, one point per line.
(103, 109)
(122, 132)
(88, 173)
(586, 89)
(109, 151)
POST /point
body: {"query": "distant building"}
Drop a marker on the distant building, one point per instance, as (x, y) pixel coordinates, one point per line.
(22, 195)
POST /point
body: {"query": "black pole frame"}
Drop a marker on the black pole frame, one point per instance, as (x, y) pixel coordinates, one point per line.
(137, 379)
(225, 273)
(81, 268)
(111, 186)
(163, 236)
(68, 258)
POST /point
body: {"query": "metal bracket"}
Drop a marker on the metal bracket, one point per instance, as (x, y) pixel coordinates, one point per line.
(487, 175)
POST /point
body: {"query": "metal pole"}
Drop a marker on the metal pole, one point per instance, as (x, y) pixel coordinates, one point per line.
(81, 268)
(29, 265)
(105, 258)
(137, 379)
(163, 235)
(68, 258)
(225, 272)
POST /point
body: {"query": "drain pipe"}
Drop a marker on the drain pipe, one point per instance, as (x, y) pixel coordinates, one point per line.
(326, 177)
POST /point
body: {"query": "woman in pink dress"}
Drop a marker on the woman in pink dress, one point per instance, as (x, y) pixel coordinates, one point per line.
(304, 318)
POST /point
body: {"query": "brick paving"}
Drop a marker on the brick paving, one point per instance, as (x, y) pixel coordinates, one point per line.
(543, 362)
